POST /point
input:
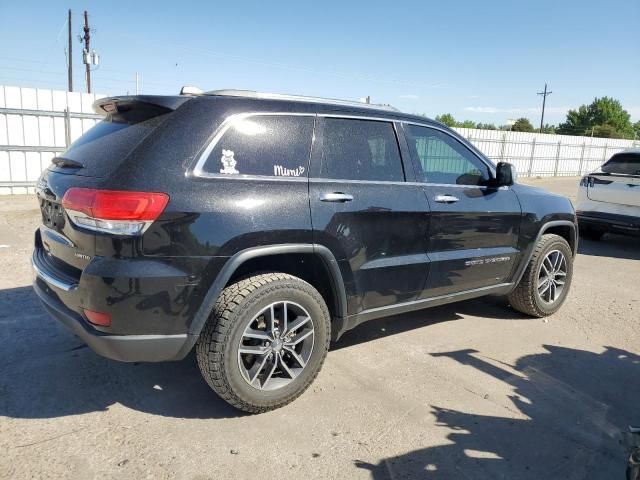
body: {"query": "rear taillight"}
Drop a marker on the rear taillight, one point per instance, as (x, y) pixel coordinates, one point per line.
(113, 211)
(586, 181)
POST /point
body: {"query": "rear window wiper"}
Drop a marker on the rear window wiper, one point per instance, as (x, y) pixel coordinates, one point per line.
(66, 162)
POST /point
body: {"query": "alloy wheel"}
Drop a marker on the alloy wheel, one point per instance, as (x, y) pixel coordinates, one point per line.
(552, 276)
(276, 346)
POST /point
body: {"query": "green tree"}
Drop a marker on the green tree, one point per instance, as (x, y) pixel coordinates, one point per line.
(607, 131)
(549, 128)
(522, 125)
(602, 111)
(447, 119)
(486, 126)
(636, 130)
(466, 124)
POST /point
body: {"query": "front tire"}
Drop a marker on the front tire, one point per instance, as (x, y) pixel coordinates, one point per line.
(545, 283)
(265, 341)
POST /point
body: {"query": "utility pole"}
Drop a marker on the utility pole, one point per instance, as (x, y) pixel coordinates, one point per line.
(544, 101)
(70, 56)
(87, 52)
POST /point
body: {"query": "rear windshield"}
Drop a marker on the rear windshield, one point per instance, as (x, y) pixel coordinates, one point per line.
(102, 148)
(623, 163)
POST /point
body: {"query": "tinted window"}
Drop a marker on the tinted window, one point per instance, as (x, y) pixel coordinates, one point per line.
(623, 163)
(105, 146)
(443, 159)
(360, 150)
(276, 145)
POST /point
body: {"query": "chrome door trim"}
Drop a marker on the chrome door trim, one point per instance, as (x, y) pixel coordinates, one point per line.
(198, 169)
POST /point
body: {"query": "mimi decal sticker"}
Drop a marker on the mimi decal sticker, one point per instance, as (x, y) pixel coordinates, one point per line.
(280, 171)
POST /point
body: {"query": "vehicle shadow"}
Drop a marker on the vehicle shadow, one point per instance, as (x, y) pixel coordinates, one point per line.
(562, 420)
(489, 307)
(611, 245)
(46, 372)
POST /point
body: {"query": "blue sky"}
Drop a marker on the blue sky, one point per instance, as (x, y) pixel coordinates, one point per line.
(483, 61)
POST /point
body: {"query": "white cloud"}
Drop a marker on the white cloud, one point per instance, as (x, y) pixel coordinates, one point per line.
(409, 97)
(482, 109)
(530, 110)
(473, 96)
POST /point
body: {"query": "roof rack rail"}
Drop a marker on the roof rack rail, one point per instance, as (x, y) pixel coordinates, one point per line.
(298, 98)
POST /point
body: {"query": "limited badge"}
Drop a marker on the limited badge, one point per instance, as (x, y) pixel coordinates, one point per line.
(228, 162)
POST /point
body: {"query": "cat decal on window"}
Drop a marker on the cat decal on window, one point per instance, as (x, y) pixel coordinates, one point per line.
(228, 162)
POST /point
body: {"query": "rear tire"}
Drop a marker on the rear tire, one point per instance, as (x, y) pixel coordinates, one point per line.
(248, 317)
(541, 292)
(591, 233)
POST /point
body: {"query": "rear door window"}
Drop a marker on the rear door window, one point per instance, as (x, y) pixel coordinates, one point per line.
(360, 150)
(267, 145)
(623, 164)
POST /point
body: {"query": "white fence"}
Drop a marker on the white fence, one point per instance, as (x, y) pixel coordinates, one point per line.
(541, 154)
(37, 124)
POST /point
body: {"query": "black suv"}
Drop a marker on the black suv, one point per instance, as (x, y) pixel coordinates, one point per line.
(256, 228)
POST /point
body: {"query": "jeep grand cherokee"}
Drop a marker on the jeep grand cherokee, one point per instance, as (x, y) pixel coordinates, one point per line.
(256, 228)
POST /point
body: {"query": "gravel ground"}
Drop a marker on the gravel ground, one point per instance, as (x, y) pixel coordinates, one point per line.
(470, 390)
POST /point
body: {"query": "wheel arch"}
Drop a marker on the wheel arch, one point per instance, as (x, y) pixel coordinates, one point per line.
(285, 258)
(564, 228)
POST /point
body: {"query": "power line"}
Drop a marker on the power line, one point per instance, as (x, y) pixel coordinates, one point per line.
(17, 69)
(115, 83)
(544, 94)
(258, 61)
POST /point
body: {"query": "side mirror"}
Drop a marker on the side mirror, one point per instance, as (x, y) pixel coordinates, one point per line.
(506, 174)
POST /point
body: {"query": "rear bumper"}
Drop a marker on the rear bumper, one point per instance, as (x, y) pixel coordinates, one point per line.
(125, 348)
(57, 292)
(609, 222)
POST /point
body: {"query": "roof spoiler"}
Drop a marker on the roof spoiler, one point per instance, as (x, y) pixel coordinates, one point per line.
(137, 107)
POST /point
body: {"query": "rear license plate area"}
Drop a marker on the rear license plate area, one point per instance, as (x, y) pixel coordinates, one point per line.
(52, 214)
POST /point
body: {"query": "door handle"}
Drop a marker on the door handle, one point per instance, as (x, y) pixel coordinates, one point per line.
(335, 197)
(445, 198)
